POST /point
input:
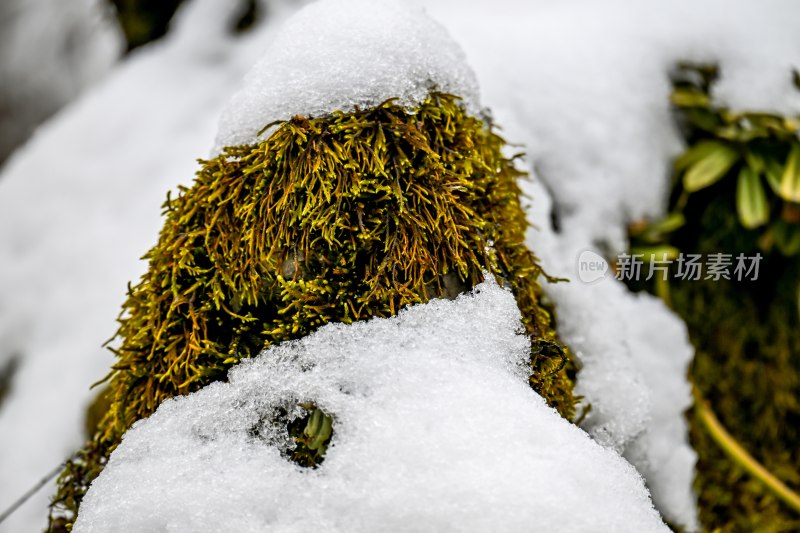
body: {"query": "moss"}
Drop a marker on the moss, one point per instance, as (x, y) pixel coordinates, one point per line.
(331, 219)
(746, 333)
(747, 365)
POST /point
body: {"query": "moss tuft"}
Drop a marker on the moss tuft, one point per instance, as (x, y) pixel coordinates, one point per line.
(331, 219)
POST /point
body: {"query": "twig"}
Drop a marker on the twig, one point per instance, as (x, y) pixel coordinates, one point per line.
(29, 494)
(739, 455)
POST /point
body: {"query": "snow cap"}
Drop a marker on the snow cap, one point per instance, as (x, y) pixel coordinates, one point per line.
(336, 55)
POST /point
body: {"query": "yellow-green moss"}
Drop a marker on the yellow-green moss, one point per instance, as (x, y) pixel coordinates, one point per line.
(746, 333)
(331, 219)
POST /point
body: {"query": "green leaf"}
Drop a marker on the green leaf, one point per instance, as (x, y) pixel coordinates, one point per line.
(754, 161)
(657, 231)
(751, 200)
(670, 223)
(689, 98)
(790, 182)
(704, 119)
(773, 171)
(662, 252)
(695, 153)
(710, 168)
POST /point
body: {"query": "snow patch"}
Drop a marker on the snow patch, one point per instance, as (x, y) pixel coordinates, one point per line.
(634, 355)
(436, 429)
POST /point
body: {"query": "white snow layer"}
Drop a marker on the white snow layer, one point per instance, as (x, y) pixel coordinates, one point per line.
(79, 205)
(582, 85)
(50, 50)
(338, 55)
(435, 429)
(634, 354)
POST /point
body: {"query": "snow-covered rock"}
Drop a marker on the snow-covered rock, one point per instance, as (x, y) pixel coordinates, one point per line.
(435, 429)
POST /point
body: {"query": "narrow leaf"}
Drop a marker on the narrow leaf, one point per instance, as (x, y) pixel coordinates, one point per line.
(695, 153)
(754, 161)
(662, 252)
(751, 200)
(656, 232)
(790, 182)
(773, 171)
(709, 169)
(689, 98)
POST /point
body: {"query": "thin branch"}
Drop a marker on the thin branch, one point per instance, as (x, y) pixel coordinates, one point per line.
(739, 455)
(29, 494)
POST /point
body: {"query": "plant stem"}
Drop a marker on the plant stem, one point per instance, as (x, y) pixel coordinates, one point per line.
(739, 455)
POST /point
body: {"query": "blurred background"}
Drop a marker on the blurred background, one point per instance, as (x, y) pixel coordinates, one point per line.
(52, 50)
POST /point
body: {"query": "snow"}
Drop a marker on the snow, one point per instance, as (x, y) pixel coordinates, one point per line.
(634, 354)
(79, 205)
(581, 86)
(435, 429)
(339, 55)
(72, 44)
(584, 87)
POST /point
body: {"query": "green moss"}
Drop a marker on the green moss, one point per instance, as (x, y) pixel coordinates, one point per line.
(746, 333)
(331, 219)
(747, 365)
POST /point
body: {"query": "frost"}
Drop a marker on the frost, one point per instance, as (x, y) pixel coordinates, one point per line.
(338, 55)
(436, 429)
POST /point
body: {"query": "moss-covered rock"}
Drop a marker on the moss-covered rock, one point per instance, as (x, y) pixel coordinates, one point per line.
(331, 219)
